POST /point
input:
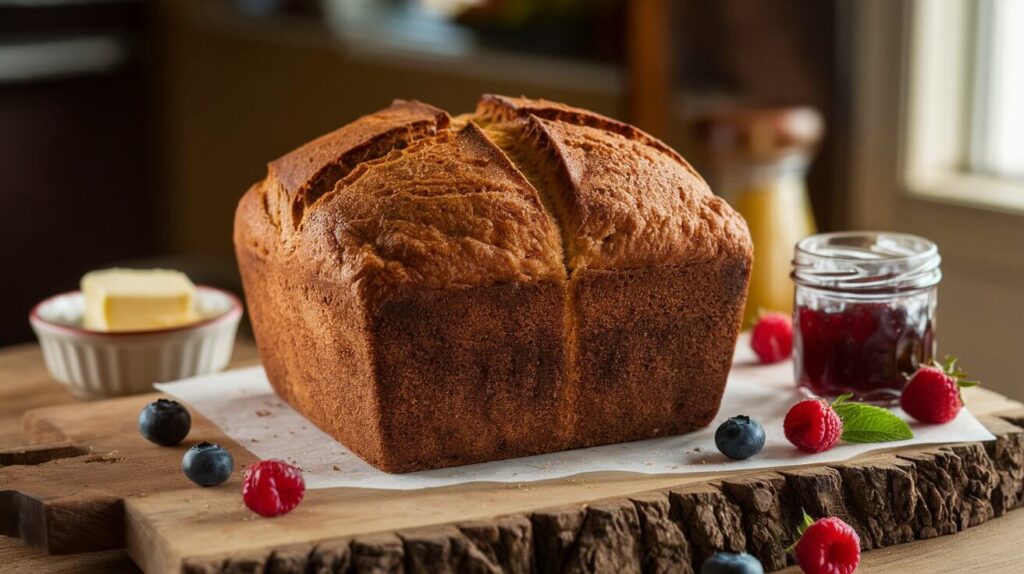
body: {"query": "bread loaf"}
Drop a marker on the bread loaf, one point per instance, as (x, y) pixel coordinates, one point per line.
(435, 291)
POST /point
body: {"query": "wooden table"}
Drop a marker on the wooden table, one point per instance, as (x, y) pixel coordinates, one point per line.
(24, 384)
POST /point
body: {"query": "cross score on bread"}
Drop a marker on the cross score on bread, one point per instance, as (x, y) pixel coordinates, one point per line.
(531, 277)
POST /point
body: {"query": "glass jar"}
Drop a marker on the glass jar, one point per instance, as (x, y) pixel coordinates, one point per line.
(864, 312)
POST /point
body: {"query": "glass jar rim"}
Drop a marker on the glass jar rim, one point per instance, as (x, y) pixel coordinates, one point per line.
(866, 262)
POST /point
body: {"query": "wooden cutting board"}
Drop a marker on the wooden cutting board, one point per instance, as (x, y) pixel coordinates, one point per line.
(88, 481)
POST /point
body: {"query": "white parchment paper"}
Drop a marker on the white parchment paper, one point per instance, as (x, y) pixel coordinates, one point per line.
(243, 405)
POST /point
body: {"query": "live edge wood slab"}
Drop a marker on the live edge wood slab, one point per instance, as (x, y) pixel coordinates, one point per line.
(87, 481)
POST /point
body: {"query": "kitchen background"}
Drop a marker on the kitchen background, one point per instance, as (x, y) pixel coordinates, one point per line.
(129, 129)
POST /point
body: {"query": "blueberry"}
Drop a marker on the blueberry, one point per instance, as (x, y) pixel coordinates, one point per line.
(165, 422)
(740, 437)
(732, 563)
(207, 464)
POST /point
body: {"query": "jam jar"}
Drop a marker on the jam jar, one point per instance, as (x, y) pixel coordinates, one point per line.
(864, 312)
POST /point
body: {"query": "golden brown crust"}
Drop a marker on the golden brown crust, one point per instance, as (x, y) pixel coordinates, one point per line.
(624, 199)
(446, 213)
(311, 331)
(628, 205)
(555, 280)
(505, 109)
(303, 175)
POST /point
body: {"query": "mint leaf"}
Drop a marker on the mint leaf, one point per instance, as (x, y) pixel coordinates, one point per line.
(867, 423)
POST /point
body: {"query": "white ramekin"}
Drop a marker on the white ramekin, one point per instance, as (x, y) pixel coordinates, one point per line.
(97, 364)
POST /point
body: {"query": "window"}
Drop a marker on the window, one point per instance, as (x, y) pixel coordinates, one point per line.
(964, 136)
(997, 106)
(935, 151)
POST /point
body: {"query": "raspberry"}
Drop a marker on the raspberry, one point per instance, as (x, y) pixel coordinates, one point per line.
(932, 395)
(812, 425)
(272, 487)
(772, 338)
(828, 546)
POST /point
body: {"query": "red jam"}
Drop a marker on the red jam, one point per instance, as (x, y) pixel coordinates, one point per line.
(863, 348)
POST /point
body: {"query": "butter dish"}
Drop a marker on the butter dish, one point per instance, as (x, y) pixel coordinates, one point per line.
(98, 364)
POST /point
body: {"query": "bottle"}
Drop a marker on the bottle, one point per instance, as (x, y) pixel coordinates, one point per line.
(759, 159)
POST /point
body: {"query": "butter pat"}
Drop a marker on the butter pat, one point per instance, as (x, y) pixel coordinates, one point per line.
(137, 299)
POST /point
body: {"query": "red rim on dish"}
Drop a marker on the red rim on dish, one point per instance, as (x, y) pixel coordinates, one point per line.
(234, 312)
